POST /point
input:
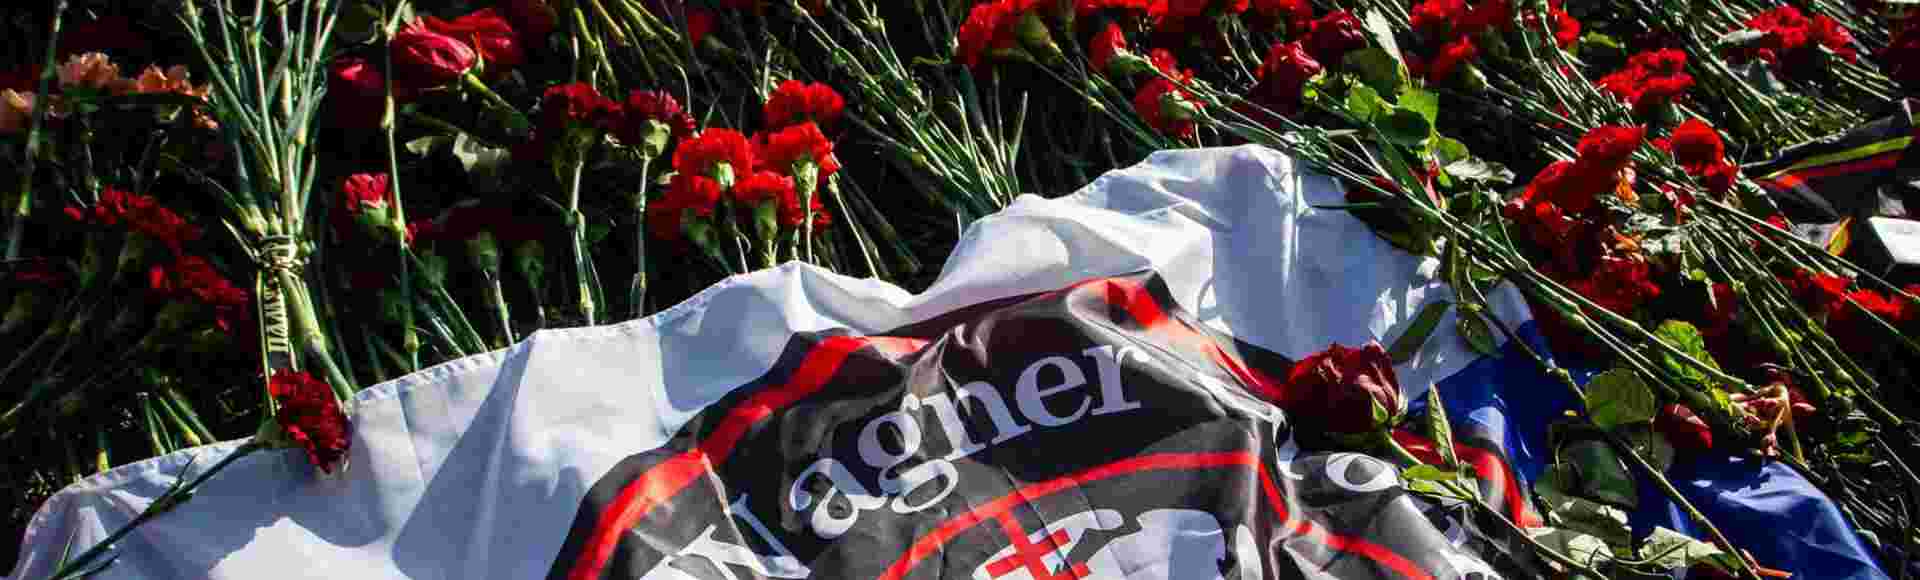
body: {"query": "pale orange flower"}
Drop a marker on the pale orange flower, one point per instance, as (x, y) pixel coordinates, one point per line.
(91, 70)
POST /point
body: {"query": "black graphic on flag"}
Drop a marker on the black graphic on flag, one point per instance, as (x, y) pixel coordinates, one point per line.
(1091, 432)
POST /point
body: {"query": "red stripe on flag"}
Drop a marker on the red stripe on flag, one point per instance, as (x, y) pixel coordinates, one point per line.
(660, 483)
(1487, 465)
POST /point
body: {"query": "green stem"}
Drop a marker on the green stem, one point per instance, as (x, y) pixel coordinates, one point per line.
(173, 497)
(23, 205)
(637, 292)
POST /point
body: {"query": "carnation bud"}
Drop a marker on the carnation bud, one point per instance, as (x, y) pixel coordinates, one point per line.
(1034, 34)
(530, 260)
(484, 254)
(1125, 64)
(1175, 107)
(1472, 79)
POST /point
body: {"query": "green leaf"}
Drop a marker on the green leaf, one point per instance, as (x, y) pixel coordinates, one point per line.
(1598, 39)
(1448, 150)
(1649, 444)
(1582, 548)
(1427, 103)
(1406, 127)
(1618, 397)
(486, 166)
(1382, 32)
(1668, 549)
(1440, 428)
(1365, 103)
(1409, 343)
(1377, 68)
(1577, 513)
(426, 145)
(1428, 473)
(1684, 337)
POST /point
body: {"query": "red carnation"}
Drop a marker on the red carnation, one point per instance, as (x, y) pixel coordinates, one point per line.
(1297, 15)
(1685, 430)
(1720, 177)
(1697, 146)
(688, 194)
(798, 143)
(1619, 284)
(702, 154)
(1334, 35)
(633, 123)
(1106, 43)
(1817, 293)
(310, 417)
(1849, 322)
(794, 102)
(1343, 390)
(1488, 15)
(1901, 58)
(1610, 146)
(1288, 68)
(1165, 107)
(988, 28)
(761, 187)
(533, 19)
(365, 199)
(489, 34)
(193, 279)
(1789, 39)
(576, 103)
(1717, 318)
(424, 59)
(1086, 7)
(358, 93)
(699, 24)
(1566, 30)
(792, 217)
(143, 215)
(1437, 17)
(1649, 79)
(1451, 56)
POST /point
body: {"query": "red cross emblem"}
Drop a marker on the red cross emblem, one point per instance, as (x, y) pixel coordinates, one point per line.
(1030, 555)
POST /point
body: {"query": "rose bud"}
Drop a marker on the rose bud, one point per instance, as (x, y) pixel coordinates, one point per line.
(1286, 71)
(309, 418)
(1343, 390)
(1684, 429)
(489, 34)
(424, 59)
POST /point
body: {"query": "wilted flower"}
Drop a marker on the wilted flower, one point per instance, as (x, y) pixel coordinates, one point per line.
(1343, 390)
(489, 34)
(88, 71)
(309, 418)
(16, 111)
(193, 279)
(424, 59)
(796, 102)
(1685, 430)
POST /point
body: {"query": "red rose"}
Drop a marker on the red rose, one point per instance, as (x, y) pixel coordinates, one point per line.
(489, 34)
(310, 417)
(358, 93)
(1685, 430)
(1286, 70)
(1697, 146)
(1343, 390)
(1334, 35)
(794, 102)
(702, 154)
(424, 59)
(761, 187)
(797, 143)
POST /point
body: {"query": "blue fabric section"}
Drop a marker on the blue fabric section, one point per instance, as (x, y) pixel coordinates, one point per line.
(1763, 507)
(1507, 401)
(1766, 508)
